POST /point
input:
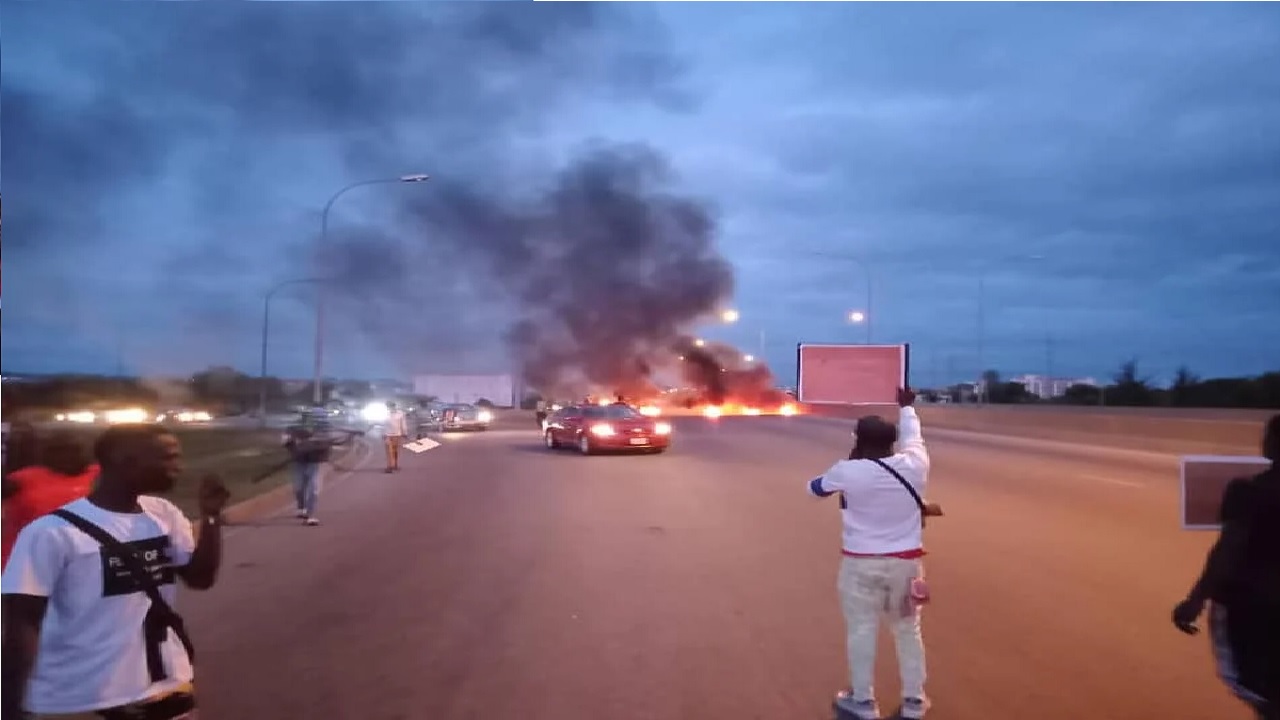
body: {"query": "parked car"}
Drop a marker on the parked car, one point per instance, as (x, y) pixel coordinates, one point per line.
(464, 417)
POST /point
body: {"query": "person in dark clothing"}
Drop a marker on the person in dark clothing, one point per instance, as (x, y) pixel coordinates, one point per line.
(309, 450)
(1241, 584)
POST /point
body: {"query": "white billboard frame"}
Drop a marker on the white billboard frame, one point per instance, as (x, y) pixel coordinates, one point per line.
(903, 380)
(1186, 460)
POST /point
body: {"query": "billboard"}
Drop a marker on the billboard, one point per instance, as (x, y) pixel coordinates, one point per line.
(1205, 478)
(851, 374)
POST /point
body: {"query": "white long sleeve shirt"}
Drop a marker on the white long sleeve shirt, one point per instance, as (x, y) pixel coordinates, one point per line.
(880, 517)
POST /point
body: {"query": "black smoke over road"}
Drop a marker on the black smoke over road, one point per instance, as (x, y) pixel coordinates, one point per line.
(606, 269)
(237, 104)
(720, 373)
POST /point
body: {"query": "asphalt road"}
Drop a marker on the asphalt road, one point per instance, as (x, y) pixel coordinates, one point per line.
(494, 579)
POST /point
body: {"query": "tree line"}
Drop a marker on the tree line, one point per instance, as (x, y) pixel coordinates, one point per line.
(1130, 388)
(221, 390)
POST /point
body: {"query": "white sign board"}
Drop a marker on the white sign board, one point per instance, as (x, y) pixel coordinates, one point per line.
(422, 445)
(1204, 479)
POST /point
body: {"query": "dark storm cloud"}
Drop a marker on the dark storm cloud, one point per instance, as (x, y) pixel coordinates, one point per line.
(1130, 147)
(164, 76)
(226, 99)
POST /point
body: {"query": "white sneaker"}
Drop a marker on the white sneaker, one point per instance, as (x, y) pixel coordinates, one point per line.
(310, 521)
(301, 514)
(913, 708)
(849, 709)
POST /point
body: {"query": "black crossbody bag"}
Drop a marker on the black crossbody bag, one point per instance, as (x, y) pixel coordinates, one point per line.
(914, 495)
(161, 617)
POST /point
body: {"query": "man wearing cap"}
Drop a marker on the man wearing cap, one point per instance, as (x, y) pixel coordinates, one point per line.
(881, 571)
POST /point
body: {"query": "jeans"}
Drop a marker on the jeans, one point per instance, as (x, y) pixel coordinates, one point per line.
(306, 486)
(871, 588)
(1248, 685)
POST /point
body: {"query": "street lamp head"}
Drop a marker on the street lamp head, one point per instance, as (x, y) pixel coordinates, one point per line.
(749, 358)
(699, 342)
(414, 178)
(730, 316)
(857, 316)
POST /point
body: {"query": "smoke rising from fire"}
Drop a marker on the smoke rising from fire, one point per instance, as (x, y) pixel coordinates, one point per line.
(721, 374)
(607, 269)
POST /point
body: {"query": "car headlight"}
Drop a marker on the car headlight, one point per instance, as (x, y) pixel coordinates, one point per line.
(484, 416)
(662, 428)
(602, 430)
(375, 412)
(126, 416)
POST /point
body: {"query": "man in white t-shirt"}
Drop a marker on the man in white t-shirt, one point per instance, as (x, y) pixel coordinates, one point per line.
(394, 430)
(881, 572)
(77, 634)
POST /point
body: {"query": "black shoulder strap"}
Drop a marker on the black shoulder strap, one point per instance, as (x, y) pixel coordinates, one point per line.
(915, 495)
(161, 617)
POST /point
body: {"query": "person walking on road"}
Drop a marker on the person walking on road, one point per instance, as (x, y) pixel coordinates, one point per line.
(1241, 585)
(64, 473)
(540, 413)
(89, 629)
(308, 451)
(881, 572)
(394, 431)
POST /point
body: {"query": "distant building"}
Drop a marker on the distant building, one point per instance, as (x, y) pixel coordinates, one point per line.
(1048, 388)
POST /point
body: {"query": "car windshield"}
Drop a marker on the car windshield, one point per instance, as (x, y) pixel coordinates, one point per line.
(611, 412)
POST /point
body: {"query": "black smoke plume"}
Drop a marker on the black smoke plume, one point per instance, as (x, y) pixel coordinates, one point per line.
(721, 374)
(606, 270)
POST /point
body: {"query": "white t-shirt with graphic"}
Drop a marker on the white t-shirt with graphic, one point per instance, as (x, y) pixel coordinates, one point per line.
(92, 653)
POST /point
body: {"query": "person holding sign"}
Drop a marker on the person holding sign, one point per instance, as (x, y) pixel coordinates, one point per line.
(89, 625)
(1241, 585)
(881, 572)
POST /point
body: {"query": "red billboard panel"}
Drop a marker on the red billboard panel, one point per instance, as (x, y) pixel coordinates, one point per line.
(1205, 479)
(851, 374)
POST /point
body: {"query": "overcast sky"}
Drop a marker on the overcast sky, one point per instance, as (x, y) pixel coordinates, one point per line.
(1112, 171)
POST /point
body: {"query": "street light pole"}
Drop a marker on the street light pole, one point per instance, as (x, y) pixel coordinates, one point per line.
(982, 331)
(266, 324)
(317, 392)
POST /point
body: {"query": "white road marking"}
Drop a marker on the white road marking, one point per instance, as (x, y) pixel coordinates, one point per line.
(1113, 481)
(422, 445)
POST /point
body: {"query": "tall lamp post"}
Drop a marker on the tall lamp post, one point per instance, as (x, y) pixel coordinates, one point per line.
(266, 324)
(317, 394)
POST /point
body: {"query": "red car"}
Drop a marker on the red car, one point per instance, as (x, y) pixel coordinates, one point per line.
(597, 428)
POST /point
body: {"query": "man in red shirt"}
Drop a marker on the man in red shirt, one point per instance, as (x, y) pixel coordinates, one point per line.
(63, 474)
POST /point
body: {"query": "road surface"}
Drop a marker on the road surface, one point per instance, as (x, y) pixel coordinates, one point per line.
(494, 579)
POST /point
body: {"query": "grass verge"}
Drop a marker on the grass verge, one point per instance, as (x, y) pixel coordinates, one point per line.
(237, 455)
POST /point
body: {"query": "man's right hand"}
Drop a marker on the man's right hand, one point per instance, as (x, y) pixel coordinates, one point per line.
(906, 397)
